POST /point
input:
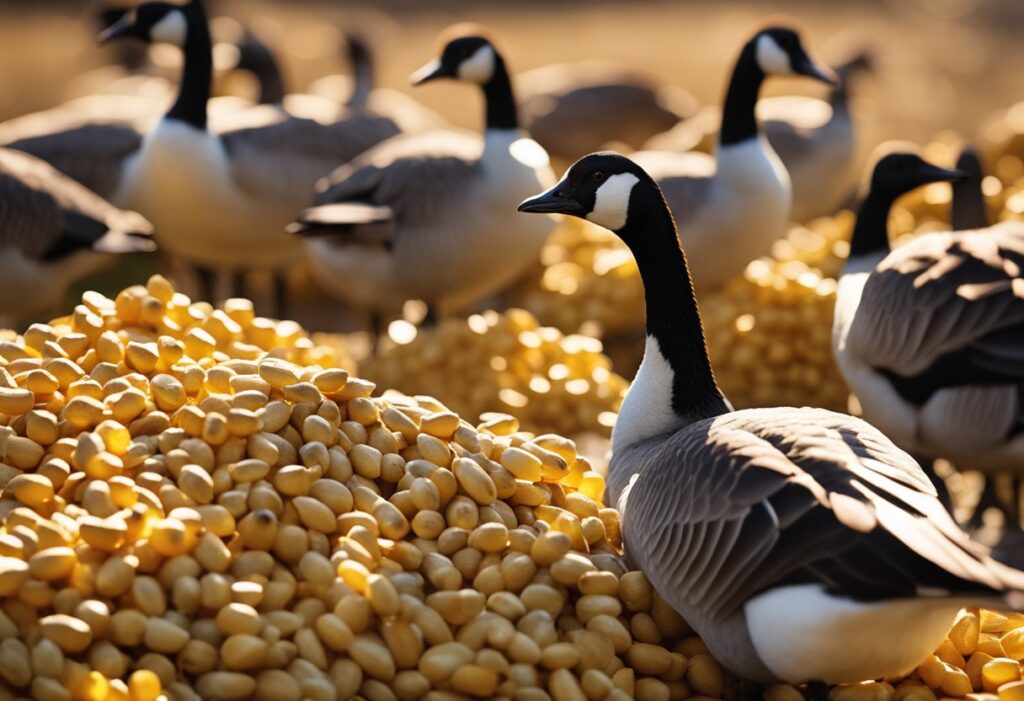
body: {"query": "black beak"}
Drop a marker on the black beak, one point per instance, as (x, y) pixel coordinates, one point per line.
(124, 26)
(807, 66)
(554, 201)
(934, 174)
(431, 71)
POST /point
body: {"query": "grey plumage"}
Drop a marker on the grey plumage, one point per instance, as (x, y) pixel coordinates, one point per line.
(46, 215)
(944, 292)
(749, 501)
(415, 176)
(572, 109)
(290, 154)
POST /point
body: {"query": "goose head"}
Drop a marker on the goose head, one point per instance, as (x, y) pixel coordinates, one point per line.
(604, 188)
(472, 59)
(153, 23)
(779, 51)
(898, 173)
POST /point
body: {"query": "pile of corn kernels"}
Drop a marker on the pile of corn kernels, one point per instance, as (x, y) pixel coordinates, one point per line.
(195, 505)
(507, 362)
(769, 331)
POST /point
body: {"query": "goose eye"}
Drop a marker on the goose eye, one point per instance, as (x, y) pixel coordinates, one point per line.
(597, 176)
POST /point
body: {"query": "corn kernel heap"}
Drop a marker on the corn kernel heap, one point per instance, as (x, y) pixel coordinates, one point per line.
(185, 516)
(588, 282)
(769, 331)
(505, 361)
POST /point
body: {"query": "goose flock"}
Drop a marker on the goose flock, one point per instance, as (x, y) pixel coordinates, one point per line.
(802, 544)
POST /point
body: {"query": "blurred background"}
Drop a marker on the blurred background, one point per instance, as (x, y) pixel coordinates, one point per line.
(941, 63)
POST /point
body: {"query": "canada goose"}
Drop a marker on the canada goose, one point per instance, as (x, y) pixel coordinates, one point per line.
(816, 142)
(220, 199)
(90, 138)
(800, 544)
(968, 210)
(430, 216)
(813, 138)
(53, 231)
(361, 92)
(575, 108)
(732, 208)
(928, 335)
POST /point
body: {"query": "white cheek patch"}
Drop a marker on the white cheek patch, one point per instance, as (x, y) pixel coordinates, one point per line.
(611, 201)
(771, 58)
(479, 67)
(170, 30)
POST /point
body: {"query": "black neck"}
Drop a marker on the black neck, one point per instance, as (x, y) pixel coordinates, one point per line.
(271, 83)
(739, 113)
(673, 317)
(968, 209)
(501, 102)
(871, 231)
(197, 75)
(362, 74)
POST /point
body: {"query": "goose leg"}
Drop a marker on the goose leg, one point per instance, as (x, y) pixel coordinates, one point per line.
(431, 318)
(1013, 514)
(207, 284)
(238, 286)
(749, 691)
(817, 690)
(989, 498)
(376, 326)
(280, 292)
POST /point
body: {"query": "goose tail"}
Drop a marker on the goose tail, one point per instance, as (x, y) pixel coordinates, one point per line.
(330, 219)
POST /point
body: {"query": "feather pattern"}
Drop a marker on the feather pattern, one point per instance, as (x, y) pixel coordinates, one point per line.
(46, 215)
(949, 306)
(748, 502)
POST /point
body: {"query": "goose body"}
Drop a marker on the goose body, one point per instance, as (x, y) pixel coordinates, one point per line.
(359, 91)
(431, 216)
(53, 231)
(928, 335)
(816, 143)
(733, 212)
(220, 195)
(92, 138)
(575, 108)
(801, 544)
(813, 138)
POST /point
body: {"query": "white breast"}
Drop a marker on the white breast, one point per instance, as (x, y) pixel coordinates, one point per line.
(181, 181)
(647, 408)
(484, 244)
(802, 633)
(746, 212)
(881, 405)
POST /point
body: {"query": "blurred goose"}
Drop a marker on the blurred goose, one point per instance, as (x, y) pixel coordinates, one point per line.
(813, 138)
(733, 207)
(220, 198)
(361, 92)
(53, 231)
(575, 108)
(431, 216)
(929, 336)
(801, 544)
(90, 138)
(816, 142)
(968, 209)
